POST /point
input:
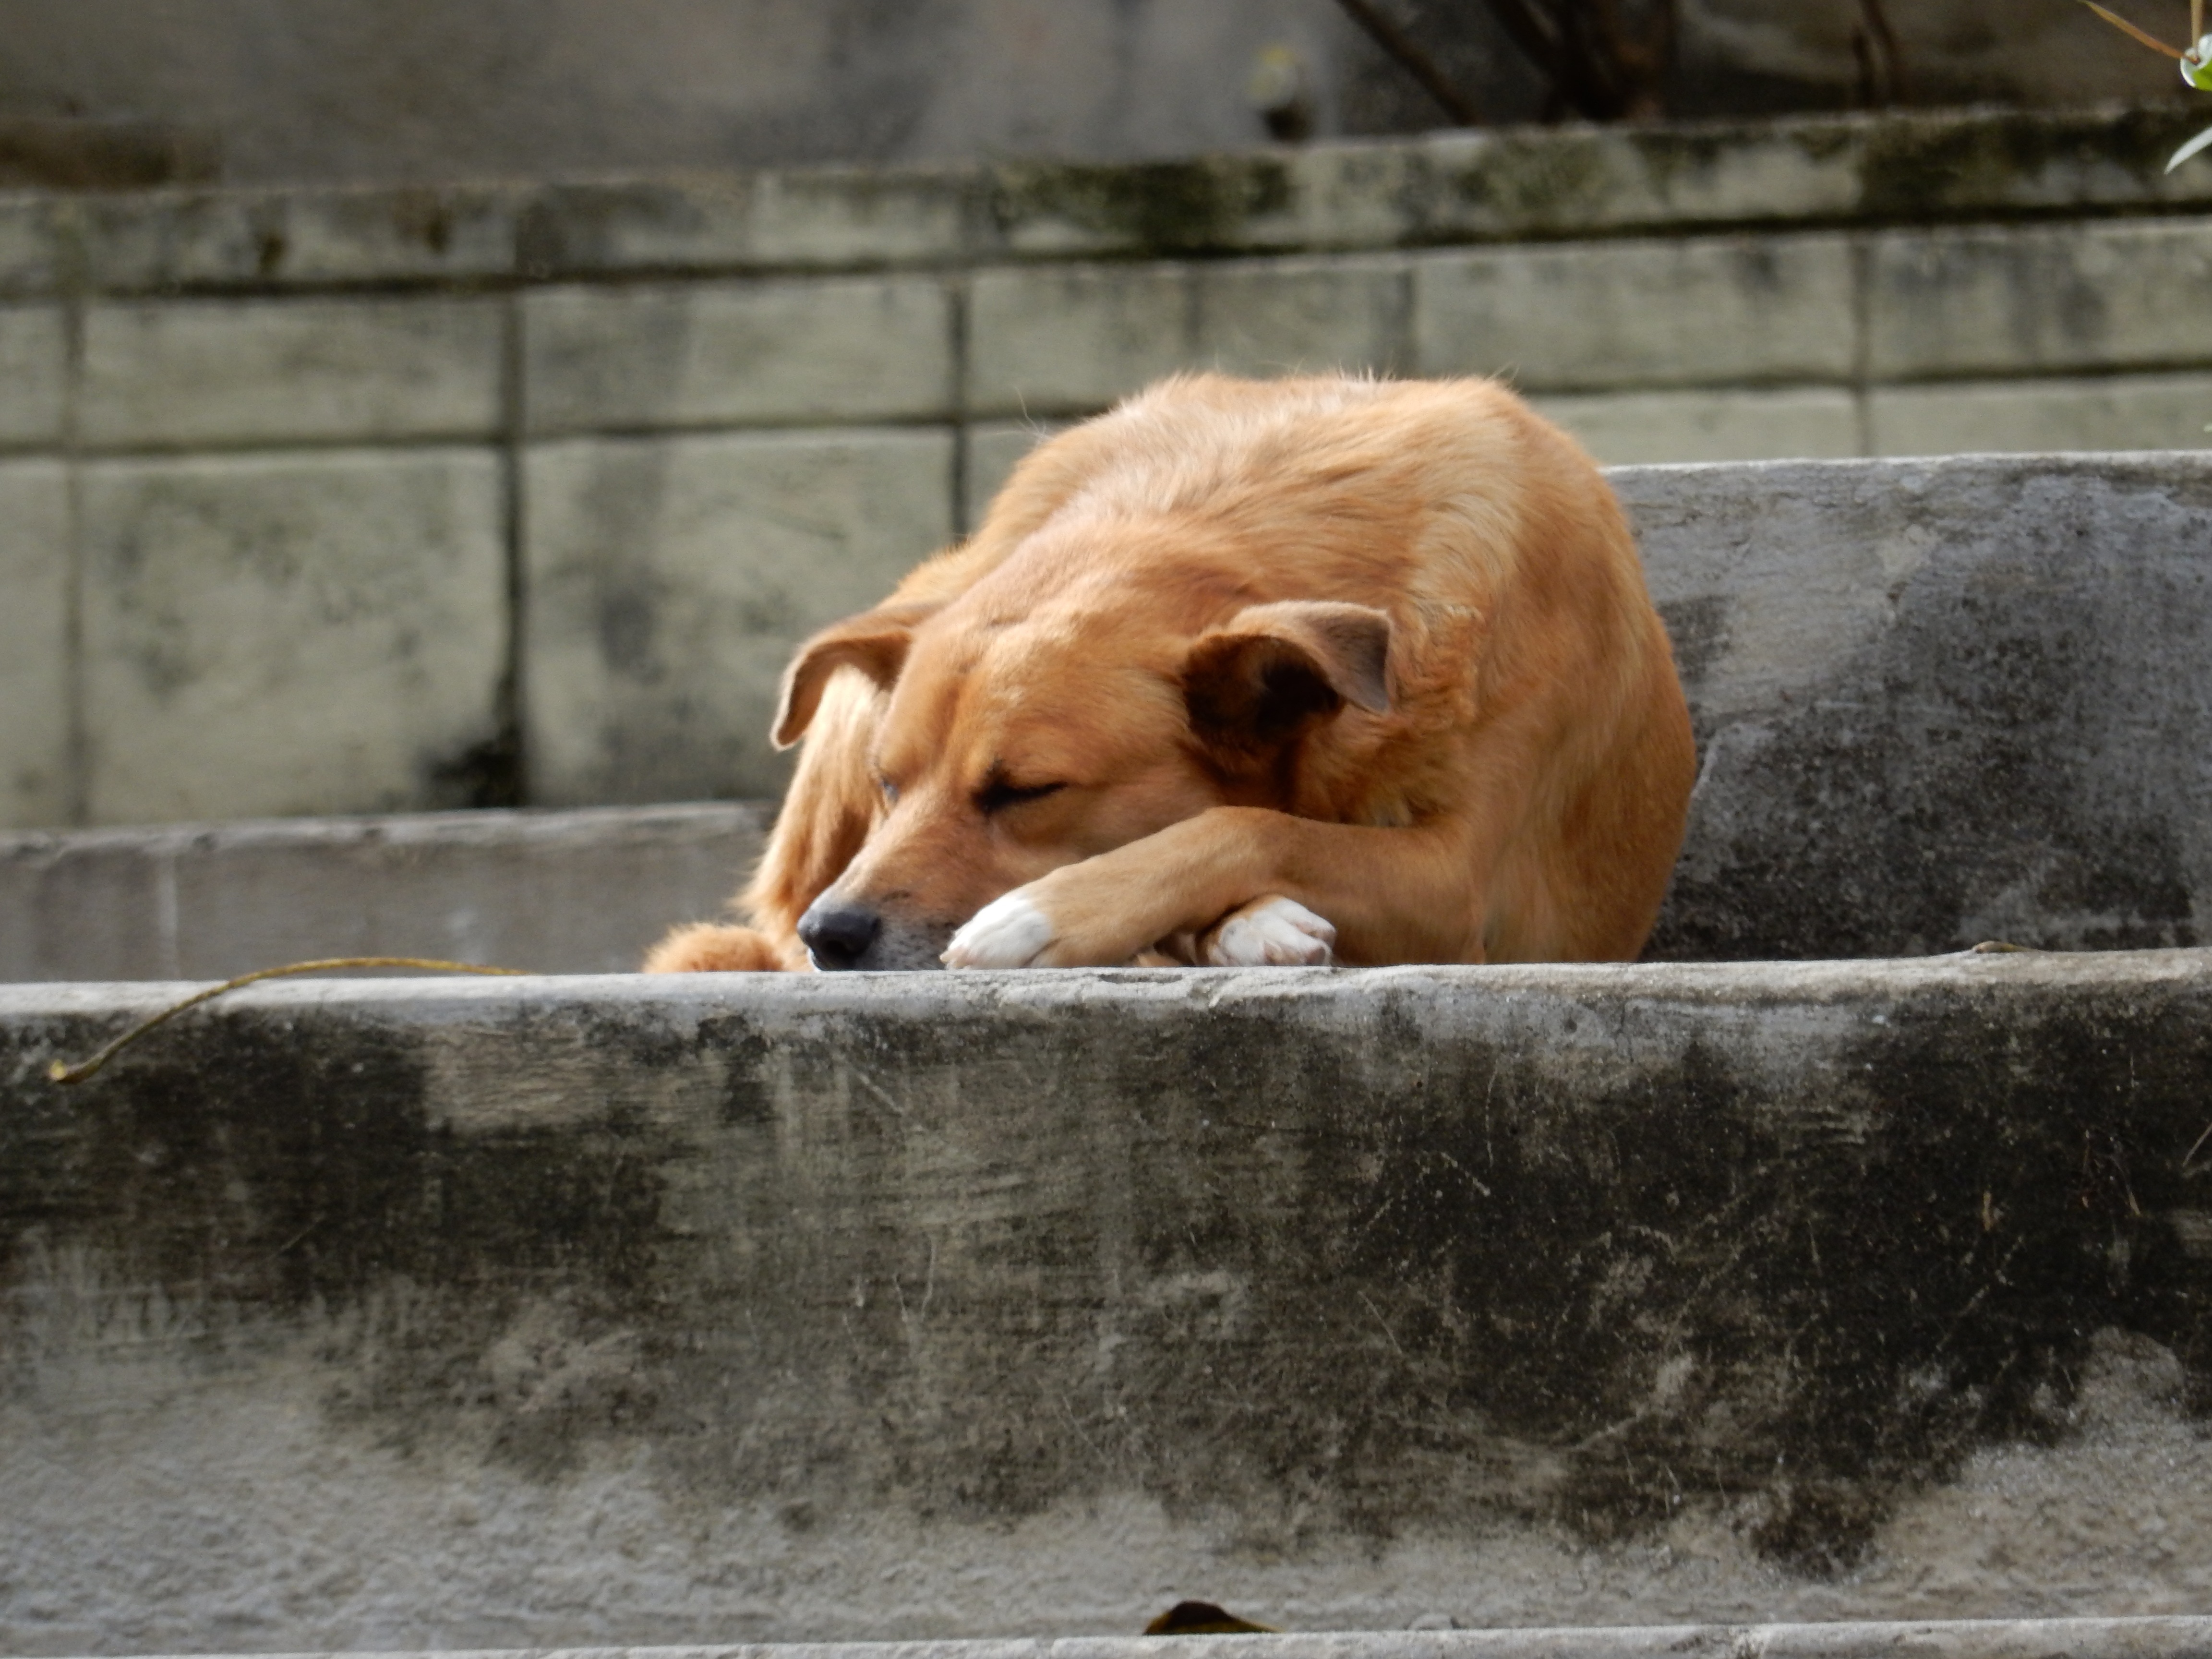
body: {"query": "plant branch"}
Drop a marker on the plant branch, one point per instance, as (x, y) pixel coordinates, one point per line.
(1884, 38)
(2129, 29)
(1532, 33)
(1409, 56)
(1597, 64)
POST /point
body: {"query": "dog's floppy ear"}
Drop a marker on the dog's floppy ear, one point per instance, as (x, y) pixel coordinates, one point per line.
(875, 643)
(1260, 677)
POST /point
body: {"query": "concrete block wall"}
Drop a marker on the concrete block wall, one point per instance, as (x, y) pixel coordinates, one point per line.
(330, 500)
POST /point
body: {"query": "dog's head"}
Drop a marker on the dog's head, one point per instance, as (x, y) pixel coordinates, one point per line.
(1030, 724)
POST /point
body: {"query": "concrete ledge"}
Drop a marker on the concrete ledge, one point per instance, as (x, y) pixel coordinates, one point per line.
(596, 1311)
(1963, 1639)
(1507, 185)
(582, 891)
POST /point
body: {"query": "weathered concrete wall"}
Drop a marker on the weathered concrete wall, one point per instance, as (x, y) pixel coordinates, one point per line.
(413, 91)
(534, 1313)
(1938, 703)
(351, 501)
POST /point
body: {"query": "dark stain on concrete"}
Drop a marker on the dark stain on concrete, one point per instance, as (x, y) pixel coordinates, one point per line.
(2008, 757)
(1928, 167)
(1156, 207)
(1293, 1280)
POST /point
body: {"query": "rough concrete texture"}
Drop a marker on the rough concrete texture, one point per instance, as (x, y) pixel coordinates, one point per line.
(1540, 183)
(1938, 702)
(406, 90)
(535, 1313)
(225, 371)
(578, 892)
(2142, 1637)
(2148, 1637)
(34, 643)
(272, 634)
(669, 579)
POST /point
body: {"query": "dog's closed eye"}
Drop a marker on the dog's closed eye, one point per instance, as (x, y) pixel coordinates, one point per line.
(997, 794)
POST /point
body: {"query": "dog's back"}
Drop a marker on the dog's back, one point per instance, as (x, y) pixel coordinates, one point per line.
(1532, 678)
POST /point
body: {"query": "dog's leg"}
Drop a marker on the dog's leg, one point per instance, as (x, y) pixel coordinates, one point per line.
(1409, 895)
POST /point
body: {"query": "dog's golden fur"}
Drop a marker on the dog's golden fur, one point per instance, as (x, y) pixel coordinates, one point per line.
(1380, 648)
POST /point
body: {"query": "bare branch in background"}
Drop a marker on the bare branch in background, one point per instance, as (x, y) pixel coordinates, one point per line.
(1882, 79)
(1409, 56)
(1597, 65)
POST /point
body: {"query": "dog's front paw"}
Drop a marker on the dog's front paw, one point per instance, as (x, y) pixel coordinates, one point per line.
(1009, 932)
(1269, 933)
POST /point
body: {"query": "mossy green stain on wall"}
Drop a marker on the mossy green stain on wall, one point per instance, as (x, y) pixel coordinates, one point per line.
(1159, 207)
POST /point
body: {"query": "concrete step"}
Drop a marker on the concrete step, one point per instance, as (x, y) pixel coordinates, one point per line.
(582, 891)
(2029, 1639)
(1937, 702)
(531, 1313)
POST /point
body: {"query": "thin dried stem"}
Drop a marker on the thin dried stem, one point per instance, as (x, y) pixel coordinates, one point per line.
(61, 1072)
(2129, 29)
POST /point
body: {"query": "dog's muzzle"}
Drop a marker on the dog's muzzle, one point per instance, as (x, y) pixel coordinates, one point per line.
(842, 937)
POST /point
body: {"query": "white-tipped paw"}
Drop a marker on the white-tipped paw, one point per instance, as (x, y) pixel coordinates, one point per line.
(1007, 932)
(1279, 933)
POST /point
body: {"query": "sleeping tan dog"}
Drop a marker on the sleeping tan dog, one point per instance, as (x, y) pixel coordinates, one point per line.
(1242, 672)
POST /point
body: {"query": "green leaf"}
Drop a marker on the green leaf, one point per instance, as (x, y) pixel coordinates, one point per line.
(2201, 142)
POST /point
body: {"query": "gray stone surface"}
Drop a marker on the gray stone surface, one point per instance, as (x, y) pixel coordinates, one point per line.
(535, 1313)
(405, 90)
(175, 374)
(33, 374)
(27, 261)
(34, 663)
(669, 579)
(1070, 339)
(578, 892)
(1429, 1637)
(2085, 413)
(738, 354)
(458, 233)
(1629, 428)
(1939, 702)
(263, 238)
(1489, 186)
(2035, 298)
(1290, 316)
(807, 219)
(278, 634)
(1639, 313)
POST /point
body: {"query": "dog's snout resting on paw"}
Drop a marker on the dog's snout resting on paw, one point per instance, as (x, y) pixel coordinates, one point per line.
(1242, 673)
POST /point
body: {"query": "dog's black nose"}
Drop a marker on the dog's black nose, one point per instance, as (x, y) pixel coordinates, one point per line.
(837, 935)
